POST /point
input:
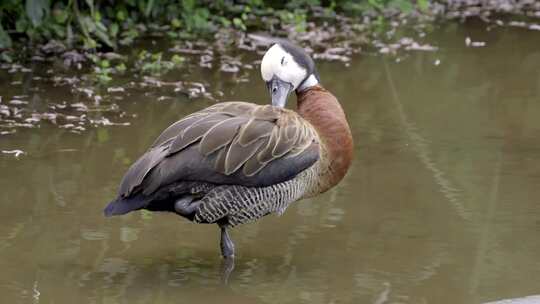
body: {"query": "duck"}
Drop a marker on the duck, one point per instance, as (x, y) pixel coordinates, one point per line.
(236, 162)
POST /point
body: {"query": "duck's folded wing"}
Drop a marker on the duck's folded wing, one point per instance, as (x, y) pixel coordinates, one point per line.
(233, 143)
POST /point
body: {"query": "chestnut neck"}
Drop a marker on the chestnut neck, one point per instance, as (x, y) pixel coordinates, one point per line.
(320, 108)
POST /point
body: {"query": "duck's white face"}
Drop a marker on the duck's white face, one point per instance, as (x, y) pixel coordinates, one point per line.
(286, 67)
(280, 64)
(281, 73)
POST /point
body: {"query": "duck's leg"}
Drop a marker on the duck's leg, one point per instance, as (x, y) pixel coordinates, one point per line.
(227, 245)
(186, 207)
(227, 251)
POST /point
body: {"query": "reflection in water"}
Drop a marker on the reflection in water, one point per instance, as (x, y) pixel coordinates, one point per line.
(422, 148)
(465, 132)
(486, 226)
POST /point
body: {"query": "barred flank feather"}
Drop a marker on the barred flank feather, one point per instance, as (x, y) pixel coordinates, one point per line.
(240, 205)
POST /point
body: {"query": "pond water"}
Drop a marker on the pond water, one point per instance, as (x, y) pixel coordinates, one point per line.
(441, 204)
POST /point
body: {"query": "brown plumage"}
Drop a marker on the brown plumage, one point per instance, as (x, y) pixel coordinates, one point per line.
(234, 143)
(235, 162)
(323, 111)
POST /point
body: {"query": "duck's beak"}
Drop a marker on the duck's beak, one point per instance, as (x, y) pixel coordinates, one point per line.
(279, 90)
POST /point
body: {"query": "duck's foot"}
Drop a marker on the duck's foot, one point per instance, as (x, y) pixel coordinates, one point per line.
(227, 251)
(186, 207)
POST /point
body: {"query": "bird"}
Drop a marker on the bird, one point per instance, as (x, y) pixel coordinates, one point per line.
(236, 162)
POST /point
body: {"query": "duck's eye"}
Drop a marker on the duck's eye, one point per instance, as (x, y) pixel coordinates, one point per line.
(283, 60)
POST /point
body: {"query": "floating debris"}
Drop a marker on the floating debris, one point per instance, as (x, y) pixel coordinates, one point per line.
(16, 68)
(190, 50)
(470, 43)
(4, 110)
(335, 54)
(17, 113)
(197, 89)
(53, 47)
(115, 89)
(17, 102)
(485, 10)
(161, 98)
(421, 47)
(12, 131)
(67, 126)
(260, 40)
(405, 43)
(15, 153)
(205, 61)
(79, 106)
(73, 58)
(229, 68)
(60, 81)
(103, 121)
(230, 64)
(88, 91)
(190, 88)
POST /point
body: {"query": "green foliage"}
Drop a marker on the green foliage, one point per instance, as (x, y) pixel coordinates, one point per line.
(239, 24)
(295, 4)
(402, 5)
(195, 18)
(104, 69)
(94, 24)
(423, 5)
(177, 60)
(356, 7)
(5, 40)
(297, 18)
(36, 10)
(154, 64)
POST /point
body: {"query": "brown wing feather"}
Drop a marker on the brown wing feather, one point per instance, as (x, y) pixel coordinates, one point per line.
(174, 129)
(220, 135)
(195, 131)
(238, 154)
(285, 143)
(254, 130)
(270, 144)
(265, 155)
